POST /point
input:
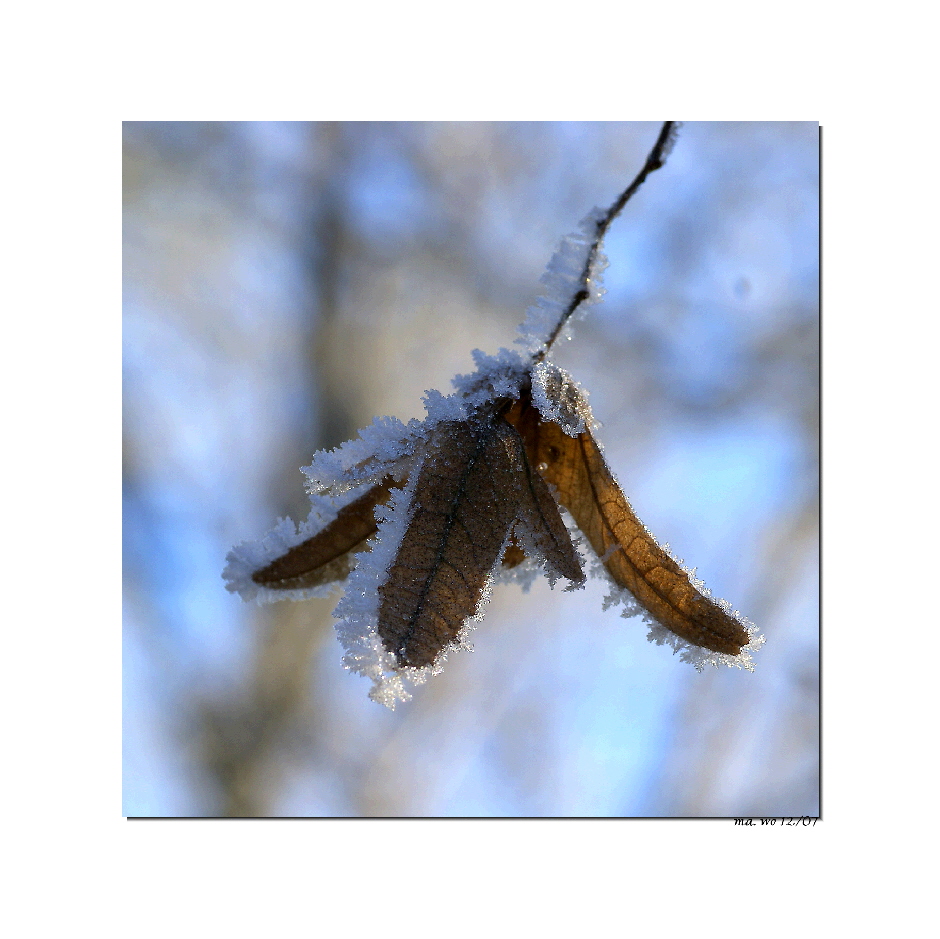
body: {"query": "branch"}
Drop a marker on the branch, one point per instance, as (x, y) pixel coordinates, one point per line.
(655, 160)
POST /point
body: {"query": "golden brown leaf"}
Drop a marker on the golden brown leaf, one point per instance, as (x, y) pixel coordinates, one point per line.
(327, 556)
(473, 487)
(576, 468)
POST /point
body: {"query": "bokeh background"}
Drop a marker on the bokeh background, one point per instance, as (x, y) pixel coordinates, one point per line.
(287, 282)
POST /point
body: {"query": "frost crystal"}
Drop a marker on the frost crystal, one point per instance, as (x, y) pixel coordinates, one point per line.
(385, 447)
(357, 611)
(577, 255)
(559, 398)
(699, 657)
(250, 556)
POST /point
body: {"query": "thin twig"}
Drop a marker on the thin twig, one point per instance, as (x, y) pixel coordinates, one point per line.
(655, 160)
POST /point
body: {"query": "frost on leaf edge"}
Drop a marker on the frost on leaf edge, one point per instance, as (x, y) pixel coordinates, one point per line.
(250, 556)
(659, 635)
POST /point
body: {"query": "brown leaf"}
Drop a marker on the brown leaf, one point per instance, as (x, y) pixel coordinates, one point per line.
(472, 489)
(513, 556)
(576, 468)
(327, 556)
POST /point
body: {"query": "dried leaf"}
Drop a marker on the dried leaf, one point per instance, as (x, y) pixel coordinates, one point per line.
(576, 468)
(327, 556)
(472, 489)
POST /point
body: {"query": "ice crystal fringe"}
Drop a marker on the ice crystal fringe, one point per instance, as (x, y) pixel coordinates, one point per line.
(699, 657)
(560, 399)
(357, 612)
(250, 556)
(385, 447)
(562, 282)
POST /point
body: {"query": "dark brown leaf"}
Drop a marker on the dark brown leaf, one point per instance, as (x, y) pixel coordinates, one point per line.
(327, 556)
(576, 468)
(473, 487)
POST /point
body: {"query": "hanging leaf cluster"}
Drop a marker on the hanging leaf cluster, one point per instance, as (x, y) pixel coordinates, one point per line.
(420, 520)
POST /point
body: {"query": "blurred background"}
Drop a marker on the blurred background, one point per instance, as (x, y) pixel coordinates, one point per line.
(284, 283)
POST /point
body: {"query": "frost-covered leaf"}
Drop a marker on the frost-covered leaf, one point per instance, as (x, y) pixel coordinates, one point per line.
(472, 489)
(327, 556)
(586, 487)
